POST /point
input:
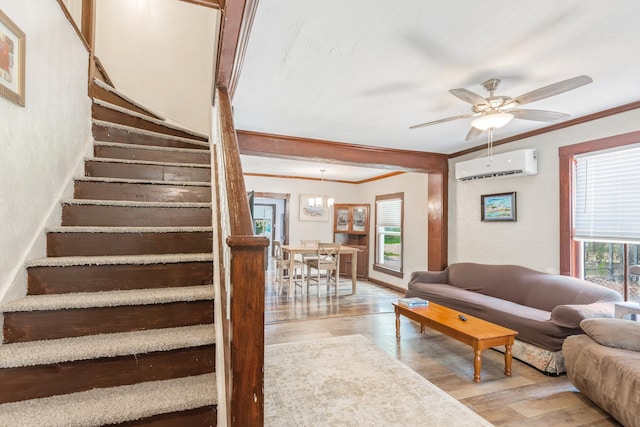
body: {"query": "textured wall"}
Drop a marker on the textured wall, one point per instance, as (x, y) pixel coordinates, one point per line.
(43, 142)
(532, 241)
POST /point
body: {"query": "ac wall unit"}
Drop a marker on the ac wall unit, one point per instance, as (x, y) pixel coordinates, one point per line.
(514, 163)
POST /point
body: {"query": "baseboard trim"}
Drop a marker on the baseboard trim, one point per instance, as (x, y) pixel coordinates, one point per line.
(387, 285)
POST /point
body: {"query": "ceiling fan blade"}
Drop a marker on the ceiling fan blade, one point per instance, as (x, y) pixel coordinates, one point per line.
(467, 96)
(552, 89)
(539, 115)
(473, 133)
(448, 119)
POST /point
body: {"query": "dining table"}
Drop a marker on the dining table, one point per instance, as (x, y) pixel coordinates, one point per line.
(292, 251)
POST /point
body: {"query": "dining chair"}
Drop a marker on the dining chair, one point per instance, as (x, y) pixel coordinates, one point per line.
(308, 243)
(327, 259)
(282, 264)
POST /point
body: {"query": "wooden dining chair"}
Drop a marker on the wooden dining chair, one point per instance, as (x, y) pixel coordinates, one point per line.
(308, 243)
(327, 259)
(282, 264)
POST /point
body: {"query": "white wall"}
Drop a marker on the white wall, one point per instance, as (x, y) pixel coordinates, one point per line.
(532, 241)
(413, 185)
(160, 53)
(44, 142)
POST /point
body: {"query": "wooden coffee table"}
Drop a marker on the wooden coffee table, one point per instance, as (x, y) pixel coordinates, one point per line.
(475, 332)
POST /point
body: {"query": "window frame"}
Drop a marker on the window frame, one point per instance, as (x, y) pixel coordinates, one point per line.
(571, 249)
(381, 267)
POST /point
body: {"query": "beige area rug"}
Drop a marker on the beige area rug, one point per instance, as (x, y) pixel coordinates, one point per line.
(348, 381)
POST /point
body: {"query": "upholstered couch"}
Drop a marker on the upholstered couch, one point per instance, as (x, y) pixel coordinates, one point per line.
(543, 308)
(604, 364)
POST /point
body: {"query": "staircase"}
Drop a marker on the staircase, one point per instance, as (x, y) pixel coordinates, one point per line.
(117, 326)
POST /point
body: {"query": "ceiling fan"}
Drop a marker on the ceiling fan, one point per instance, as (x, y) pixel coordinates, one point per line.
(495, 111)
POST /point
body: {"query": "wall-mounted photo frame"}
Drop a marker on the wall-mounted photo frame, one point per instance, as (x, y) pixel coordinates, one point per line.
(498, 207)
(309, 212)
(12, 60)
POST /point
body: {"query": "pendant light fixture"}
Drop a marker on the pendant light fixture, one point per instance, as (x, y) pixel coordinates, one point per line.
(321, 202)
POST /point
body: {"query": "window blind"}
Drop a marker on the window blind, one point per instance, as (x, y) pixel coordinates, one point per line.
(388, 213)
(607, 197)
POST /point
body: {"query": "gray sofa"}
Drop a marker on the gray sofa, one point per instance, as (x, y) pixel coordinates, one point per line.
(543, 308)
(604, 364)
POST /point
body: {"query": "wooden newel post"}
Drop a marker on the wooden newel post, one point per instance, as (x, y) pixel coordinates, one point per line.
(247, 329)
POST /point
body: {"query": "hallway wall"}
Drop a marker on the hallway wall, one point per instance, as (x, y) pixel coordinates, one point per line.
(43, 143)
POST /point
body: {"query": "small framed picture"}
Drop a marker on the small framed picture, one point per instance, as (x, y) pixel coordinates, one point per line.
(12, 59)
(311, 208)
(498, 207)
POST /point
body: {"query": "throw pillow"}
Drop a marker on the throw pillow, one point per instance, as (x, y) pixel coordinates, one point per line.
(616, 333)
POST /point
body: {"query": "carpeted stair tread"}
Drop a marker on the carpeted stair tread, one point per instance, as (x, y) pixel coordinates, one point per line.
(163, 123)
(150, 133)
(115, 91)
(129, 203)
(119, 260)
(47, 352)
(147, 162)
(147, 147)
(112, 405)
(115, 298)
(142, 181)
(92, 229)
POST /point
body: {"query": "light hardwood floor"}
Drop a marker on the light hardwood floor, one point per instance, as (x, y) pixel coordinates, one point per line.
(527, 398)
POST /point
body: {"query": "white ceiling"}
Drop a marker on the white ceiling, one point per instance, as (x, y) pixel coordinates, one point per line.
(363, 71)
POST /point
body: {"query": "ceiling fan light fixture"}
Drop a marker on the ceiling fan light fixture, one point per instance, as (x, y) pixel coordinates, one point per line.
(492, 120)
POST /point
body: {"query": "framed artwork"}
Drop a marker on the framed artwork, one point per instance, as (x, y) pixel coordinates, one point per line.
(309, 211)
(12, 60)
(498, 207)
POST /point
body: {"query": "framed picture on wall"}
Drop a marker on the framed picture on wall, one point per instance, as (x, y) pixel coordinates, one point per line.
(12, 59)
(498, 207)
(309, 211)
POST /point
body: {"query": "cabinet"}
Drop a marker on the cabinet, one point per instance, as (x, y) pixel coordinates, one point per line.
(351, 228)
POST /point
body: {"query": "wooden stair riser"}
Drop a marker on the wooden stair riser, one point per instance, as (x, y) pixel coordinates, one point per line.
(206, 416)
(97, 278)
(100, 112)
(52, 324)
(132, 153)
(99, 92)
(33, 382)
(96, 190)
(147, 172)
(105, 243)
(135, 216)
(106, 133)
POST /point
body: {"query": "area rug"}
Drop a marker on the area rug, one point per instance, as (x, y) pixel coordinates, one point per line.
(348, 381)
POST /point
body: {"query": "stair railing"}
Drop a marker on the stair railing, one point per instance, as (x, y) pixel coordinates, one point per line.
(243, 277)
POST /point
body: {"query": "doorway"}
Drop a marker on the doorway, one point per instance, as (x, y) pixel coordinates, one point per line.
(273, 206)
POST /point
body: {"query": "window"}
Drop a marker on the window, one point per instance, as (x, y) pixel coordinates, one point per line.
(605, 219)
(388, 238)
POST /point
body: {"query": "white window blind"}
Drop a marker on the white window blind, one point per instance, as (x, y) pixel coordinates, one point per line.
(388, 213)
(607, 192)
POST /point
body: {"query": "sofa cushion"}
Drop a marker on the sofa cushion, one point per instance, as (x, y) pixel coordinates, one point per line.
(610, 377)
(570, 315)
(616, 333)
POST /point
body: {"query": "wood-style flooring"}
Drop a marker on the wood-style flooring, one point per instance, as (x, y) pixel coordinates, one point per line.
(527, 398)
